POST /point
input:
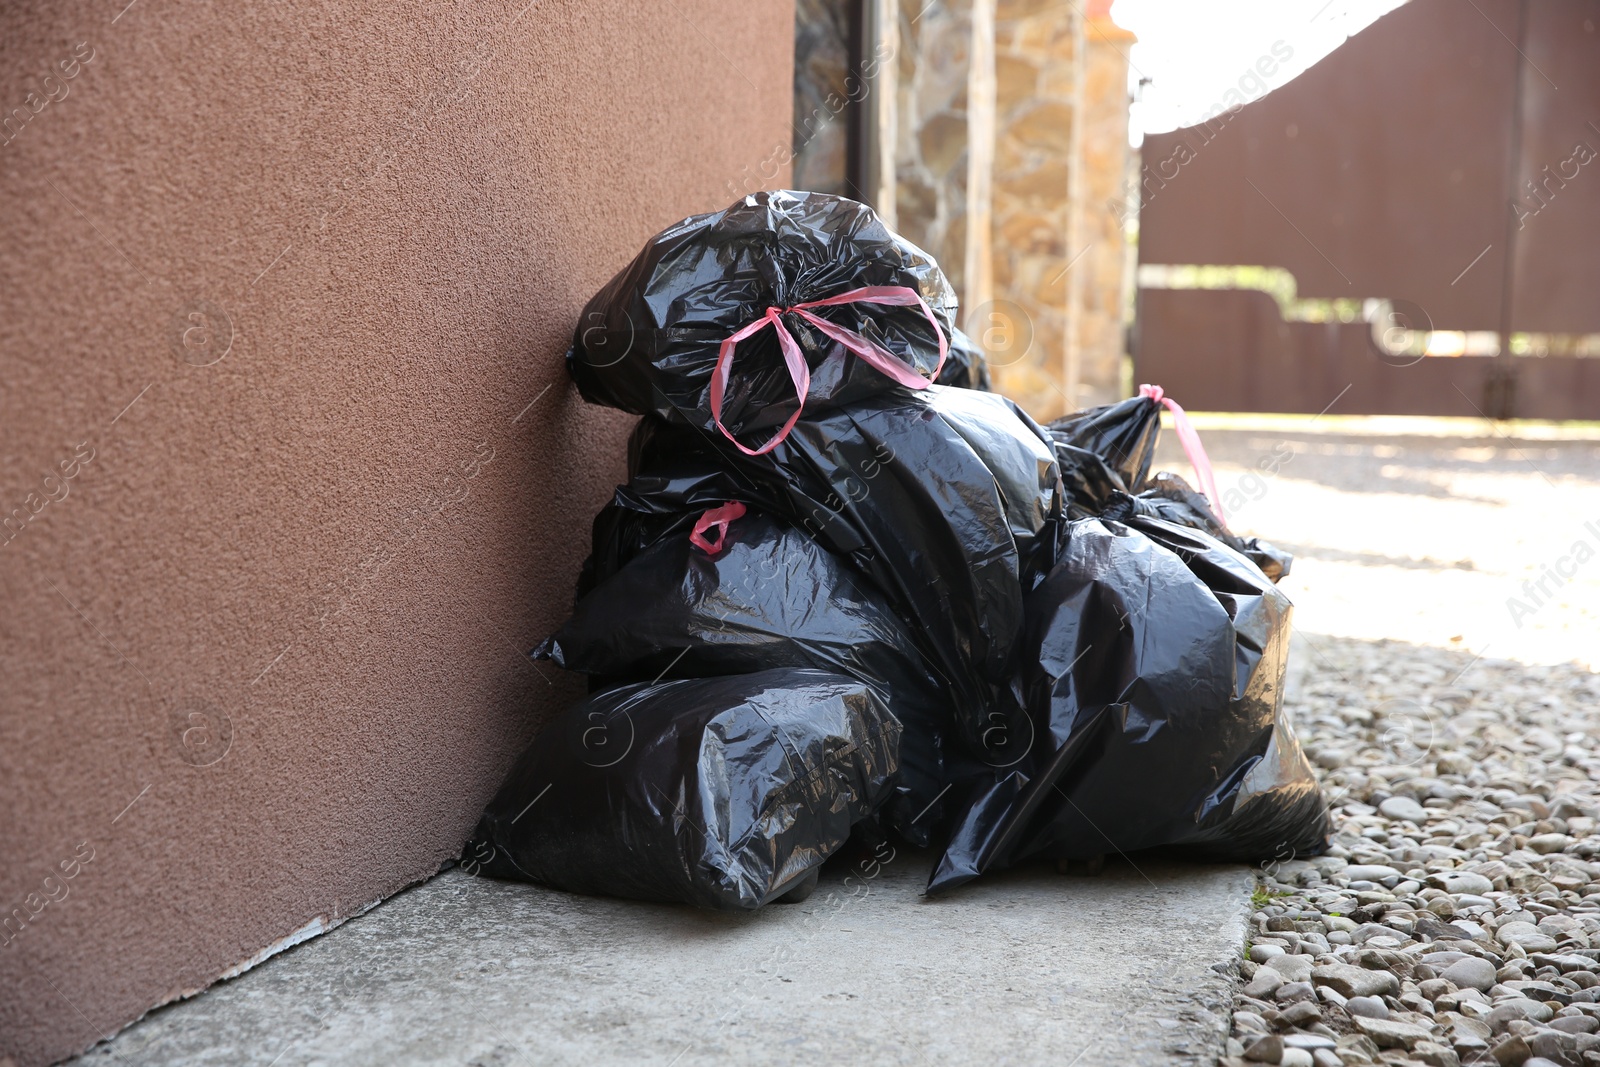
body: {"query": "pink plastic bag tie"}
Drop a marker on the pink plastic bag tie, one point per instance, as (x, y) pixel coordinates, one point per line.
(1191, 447)
(884, 361)
(720, 518)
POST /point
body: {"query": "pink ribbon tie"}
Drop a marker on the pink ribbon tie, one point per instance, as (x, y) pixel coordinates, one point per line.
(884, 361)
(1191, 447)
(720, 518)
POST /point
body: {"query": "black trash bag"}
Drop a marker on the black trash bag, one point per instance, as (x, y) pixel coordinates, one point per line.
(1169, 497)
(1105, 454)
(649, 341)
(966, 367)
(947, 499)
(1123, 435)
(768, 597)
(1157, 657)
(656, 504)
(724, 793)
(1088, 480)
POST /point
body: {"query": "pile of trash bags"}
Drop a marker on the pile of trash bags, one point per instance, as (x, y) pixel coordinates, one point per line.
(847, 590)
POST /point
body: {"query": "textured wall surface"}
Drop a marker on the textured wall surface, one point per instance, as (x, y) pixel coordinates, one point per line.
(1108, 263)
(935, 42)
(1038, 257)
(1026, 333)
(291, 471)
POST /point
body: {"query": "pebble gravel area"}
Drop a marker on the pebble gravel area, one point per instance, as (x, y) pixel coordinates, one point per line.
(1456, 917)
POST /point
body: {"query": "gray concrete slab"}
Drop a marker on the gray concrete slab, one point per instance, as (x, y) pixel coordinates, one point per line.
(1029, 967)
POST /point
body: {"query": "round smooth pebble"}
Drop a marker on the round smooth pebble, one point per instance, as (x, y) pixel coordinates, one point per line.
(1467, 883)
(1368, 1007)
(1544, 844)
(1295, 968)
(1525, 935)
(1574, 1024)
(1268, 1049)
(1294, 991)
(1470, 973)
(1264, 984)
(1404, 809)
(1369, 872)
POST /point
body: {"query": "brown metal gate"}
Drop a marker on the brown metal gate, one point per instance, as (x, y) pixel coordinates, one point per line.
(1433, 186)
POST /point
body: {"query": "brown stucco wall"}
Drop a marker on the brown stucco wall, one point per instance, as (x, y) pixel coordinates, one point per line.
(280, 605)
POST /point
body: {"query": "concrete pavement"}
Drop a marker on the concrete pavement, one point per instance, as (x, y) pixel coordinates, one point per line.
(1029, 967)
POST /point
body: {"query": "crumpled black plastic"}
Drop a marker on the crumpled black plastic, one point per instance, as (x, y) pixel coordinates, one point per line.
(966, 366)
(770, 597)
(1070, 656)
(668, 498)
(1122, 435)
(1088, 480)
(1106, 454)
(1156, 657)
(946, 499)
(648, 341)
(1169, 497)
(725, 792)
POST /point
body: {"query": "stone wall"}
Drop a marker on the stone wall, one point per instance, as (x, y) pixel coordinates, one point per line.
(1025, 328)
(1107, 265)
(1009, 130)
(933, 66)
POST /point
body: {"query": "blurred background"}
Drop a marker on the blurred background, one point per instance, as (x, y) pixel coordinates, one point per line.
(1262, 206)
